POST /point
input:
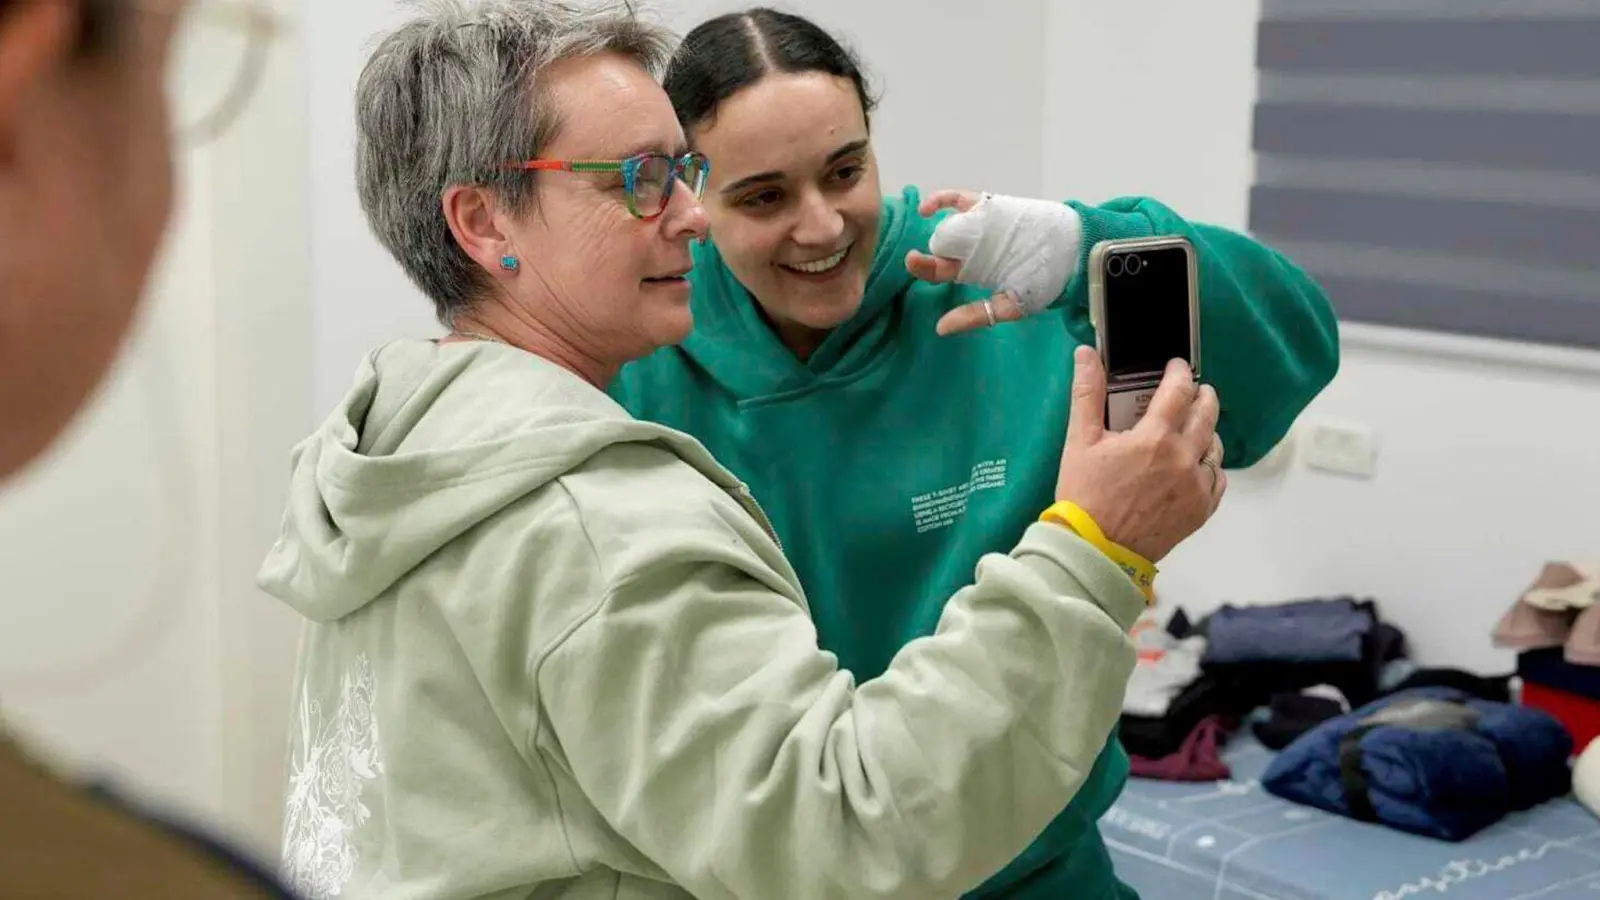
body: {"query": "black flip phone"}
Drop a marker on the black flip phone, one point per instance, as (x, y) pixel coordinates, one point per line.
(1144, 300)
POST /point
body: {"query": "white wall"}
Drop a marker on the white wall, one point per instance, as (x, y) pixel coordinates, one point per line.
(1486, 461)
(934, 66)
(361, 297)
(1151, 97)
(262, 350)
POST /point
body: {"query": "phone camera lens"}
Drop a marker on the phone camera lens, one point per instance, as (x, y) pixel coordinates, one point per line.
(1114, 266)
(1133, 265)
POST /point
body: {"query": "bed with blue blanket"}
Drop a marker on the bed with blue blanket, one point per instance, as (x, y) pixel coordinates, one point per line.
(1233, 841)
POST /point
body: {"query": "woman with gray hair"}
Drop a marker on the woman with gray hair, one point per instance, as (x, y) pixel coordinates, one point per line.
(555, 651)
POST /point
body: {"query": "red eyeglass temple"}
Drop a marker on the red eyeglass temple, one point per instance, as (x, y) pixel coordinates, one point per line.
(564, 165)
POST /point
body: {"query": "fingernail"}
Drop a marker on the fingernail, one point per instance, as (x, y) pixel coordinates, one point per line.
(1081, 355)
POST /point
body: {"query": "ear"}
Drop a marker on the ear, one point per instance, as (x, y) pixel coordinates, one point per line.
(37, 37)
(473, 216)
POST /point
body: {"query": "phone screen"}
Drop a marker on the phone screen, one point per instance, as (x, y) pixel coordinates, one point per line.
(1146, 311)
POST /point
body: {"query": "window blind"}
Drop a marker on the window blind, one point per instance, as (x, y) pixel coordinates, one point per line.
(1436, 163)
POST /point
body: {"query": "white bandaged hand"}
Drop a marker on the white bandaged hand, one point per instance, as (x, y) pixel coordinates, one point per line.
(1027, 248)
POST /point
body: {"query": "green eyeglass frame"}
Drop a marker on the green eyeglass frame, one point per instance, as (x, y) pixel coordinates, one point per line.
(647, 179)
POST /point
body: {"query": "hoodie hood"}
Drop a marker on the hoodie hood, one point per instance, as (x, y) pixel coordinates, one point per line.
(733, 343)
(430, 441)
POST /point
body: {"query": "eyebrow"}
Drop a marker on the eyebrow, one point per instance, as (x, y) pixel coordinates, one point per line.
(674, 151)
(762, 177)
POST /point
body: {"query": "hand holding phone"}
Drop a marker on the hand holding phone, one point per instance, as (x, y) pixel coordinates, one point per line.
(1144, 301)
(1152, 486)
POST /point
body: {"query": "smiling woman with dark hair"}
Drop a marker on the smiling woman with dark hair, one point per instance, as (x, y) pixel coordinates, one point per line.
(828, 371)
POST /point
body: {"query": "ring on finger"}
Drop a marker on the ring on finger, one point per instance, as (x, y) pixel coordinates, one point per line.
(988, 310)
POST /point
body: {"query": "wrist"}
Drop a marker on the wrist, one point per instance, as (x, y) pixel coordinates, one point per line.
(1074, 518)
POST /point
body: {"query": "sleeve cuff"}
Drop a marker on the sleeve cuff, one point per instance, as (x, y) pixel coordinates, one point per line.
(1072, 566)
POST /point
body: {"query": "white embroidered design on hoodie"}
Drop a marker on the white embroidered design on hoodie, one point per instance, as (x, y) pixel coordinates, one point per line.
(333, 760)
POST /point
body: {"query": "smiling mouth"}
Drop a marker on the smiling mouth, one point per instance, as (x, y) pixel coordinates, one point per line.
(819, 266)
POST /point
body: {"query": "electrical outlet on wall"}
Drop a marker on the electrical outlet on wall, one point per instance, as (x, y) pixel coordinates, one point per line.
(1340, 447)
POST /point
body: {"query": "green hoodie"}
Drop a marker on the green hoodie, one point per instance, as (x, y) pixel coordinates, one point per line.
(553, 652)
(892, 457)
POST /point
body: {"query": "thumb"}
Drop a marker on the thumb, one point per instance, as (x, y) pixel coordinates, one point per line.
(1086, 423)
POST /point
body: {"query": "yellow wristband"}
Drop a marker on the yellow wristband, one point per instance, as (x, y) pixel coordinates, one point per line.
(1073, 516)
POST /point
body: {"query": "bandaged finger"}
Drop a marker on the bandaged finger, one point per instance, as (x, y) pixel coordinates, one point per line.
(1027, 248)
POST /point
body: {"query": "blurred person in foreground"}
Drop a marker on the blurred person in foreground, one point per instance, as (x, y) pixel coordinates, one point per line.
(85, 194)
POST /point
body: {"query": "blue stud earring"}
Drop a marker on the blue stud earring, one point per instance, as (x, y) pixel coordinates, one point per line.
(509, 263)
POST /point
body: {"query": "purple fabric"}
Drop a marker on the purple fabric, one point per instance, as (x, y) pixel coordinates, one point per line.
(1199, 758)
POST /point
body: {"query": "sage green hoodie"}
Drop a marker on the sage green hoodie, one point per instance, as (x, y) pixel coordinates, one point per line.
(555, 652)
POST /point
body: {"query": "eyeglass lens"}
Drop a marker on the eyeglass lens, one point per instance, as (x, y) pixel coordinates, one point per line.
(653, 178)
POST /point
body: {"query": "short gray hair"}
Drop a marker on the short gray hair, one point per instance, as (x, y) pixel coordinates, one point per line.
(454, 95)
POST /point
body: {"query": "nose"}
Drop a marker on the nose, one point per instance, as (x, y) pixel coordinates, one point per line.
(684, 216)
(820, 223)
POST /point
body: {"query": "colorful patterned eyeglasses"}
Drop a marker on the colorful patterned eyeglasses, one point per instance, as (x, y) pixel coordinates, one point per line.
(647, 178)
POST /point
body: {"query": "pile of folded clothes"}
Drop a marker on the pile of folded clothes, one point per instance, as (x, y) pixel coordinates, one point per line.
(1436, 761)
(1195, 683)
(1264, 651)
(1555, 626)
(1159, 693)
